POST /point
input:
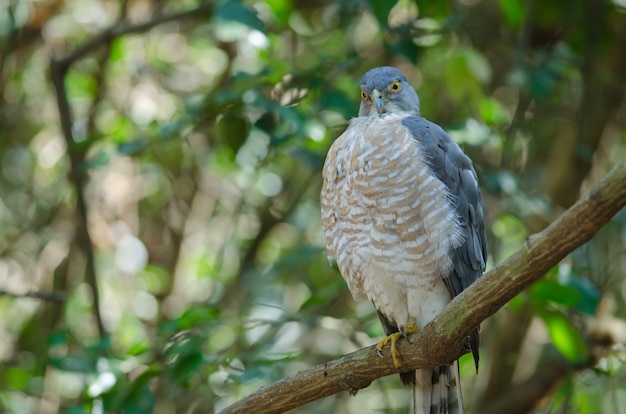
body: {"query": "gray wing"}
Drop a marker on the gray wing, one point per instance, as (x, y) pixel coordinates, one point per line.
(450, 165)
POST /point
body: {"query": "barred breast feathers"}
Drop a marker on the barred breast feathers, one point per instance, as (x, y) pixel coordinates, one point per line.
(382, 204)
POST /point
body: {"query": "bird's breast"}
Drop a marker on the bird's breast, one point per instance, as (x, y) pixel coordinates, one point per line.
(384, 213)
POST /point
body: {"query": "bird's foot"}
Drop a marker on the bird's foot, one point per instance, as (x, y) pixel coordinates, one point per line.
(393, 340)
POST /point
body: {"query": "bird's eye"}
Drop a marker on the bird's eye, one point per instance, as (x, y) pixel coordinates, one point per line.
(395, 86)
(363, 95)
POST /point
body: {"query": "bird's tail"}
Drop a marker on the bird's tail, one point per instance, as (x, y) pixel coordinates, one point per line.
(438, 390)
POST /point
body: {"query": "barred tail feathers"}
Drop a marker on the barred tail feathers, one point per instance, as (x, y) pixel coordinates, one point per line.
(438, 391)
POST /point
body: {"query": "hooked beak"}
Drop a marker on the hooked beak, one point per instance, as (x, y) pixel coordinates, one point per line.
(378, 100)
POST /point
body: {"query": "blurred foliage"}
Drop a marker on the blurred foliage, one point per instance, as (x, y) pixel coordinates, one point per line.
(196, 141)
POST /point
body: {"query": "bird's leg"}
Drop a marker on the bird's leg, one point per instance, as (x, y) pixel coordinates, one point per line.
(393, 339)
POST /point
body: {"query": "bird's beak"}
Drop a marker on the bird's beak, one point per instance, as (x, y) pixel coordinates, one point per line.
(378, 100)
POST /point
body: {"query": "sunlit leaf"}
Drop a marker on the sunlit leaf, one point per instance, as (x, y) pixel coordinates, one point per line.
(281, 9)
(80, 85)
(565, 337)
(17, 378)
(493, 112)
(514, 12)
(116, 51)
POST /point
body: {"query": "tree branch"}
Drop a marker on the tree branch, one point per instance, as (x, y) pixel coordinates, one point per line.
(441, 341)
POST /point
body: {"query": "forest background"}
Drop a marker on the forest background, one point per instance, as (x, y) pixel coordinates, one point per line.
(160, 238)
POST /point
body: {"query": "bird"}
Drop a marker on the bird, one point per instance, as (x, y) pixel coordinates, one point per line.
(402, 218)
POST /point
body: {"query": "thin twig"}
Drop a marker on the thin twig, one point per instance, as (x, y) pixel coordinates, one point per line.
(121, 29)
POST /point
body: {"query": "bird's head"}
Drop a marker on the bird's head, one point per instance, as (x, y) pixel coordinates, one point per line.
(386, 90)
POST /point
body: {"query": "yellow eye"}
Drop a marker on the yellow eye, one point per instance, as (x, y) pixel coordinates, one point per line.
(395, 86)
(363, 95)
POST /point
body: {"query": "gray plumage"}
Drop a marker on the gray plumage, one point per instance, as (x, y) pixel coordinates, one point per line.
(406, 100)
(402, 214)
(450, 165)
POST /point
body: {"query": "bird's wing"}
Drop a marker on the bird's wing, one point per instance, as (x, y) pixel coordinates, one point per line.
(450, 165)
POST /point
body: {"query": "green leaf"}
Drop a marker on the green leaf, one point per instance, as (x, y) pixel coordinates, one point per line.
(513, 13)
(74, 363)
(186, 365)
(80, 85)
(190, 318)
(281, 9)
(139, 398)
(589, 295)
(231, 129)
(518, 302)
(75, 409)
(337, 100)
(133, 147)
(381, 9)
(101, 159)
(565, 337)
(552, 291)
(17, 378)
(232, 10)
(493, 112)
(116, 52)
(58, 338)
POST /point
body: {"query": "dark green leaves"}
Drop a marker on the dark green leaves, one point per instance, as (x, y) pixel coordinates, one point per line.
(513, 12)
(556, 300)
(381, 9)
(234, 10)
(565, 337)
(577, 293)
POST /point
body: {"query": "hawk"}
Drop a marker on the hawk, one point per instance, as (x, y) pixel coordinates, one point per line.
(403, 218)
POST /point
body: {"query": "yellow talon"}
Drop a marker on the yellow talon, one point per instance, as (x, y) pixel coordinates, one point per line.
(394, 338)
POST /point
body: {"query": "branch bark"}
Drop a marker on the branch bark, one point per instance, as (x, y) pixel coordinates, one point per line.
(441, 341)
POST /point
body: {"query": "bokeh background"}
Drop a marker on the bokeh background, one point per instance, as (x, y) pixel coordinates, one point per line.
(160, 239)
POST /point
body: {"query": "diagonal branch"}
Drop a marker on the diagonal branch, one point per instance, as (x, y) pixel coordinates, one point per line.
(442, 340)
